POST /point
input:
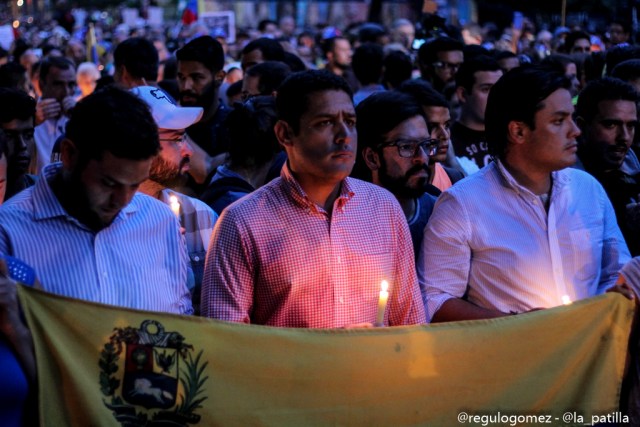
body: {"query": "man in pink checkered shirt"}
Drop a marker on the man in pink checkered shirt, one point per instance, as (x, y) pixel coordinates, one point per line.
(311, 248)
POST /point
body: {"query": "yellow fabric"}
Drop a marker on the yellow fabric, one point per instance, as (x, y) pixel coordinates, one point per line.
(547, 362)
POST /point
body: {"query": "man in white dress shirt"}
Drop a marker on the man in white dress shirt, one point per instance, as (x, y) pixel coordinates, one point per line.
(527, 231)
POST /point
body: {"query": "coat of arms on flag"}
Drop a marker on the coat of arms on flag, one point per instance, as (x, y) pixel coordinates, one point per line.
(160, 381)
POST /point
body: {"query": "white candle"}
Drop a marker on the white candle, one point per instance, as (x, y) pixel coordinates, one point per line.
(566, 300)
(382, 302)
(174, 205)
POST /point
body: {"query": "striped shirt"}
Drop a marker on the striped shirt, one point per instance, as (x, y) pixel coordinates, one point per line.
(197, 219)
(492, 240)
(139, 261)
(278, 259)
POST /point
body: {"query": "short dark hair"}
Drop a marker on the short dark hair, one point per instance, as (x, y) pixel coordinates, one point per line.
(382, 111)
(466, 75)
(559, 61)
(16, 104)
(115, 121)
(12, 75)
(397, 67)
(294, 62)
(368, 63)
(262, 25)
(329, 44)
(271, 49)
(572, 38)
(603, 89)
(618, 54)
(428, 52)
(206, 50)
(423, 93)
(293, 96)
(252, 140)
(270, 75)
(627, 70)
(139, 56)
(517, 96)
(58, 62)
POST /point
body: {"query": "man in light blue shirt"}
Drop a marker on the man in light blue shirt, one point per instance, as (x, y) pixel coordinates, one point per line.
(83, 227)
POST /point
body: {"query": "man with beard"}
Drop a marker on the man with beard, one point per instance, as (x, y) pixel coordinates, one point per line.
(200, 75)
(339, 53)
(17, 115)
(397, 148)
(169, 170)
(84, 227)
(607, 115)
(310, 249)
(527, 231)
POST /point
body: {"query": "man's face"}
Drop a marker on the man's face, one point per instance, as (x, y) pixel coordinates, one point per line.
(581, 46)
(571, 72)
(609, 135)
(58, 84)
(250, 87)
(508, 64)
(324, 148)
(447, 65)
(475, 102)
(21, 144)
(617, 34)
(170, 167)
(439, 123)
(405, 176)
(552, 144)
(196, 84)
(341, 54)
(108, 185)
(250, 59)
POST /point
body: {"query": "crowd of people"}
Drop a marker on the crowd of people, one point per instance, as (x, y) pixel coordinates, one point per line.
(279, 180)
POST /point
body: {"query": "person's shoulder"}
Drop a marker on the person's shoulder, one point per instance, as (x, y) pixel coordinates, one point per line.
(366, 189)
(257, 202)
(144, 203)
(475, 182)
(20, 204)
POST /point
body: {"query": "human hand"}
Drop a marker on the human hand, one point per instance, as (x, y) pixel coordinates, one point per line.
(9, 308)
(363, 325)
(47, 108)
(67, 104)
(622, 287)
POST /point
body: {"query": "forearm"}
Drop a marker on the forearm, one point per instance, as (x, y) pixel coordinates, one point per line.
(455, 309)
(20, 340)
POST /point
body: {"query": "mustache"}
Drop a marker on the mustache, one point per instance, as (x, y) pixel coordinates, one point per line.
(417, 168)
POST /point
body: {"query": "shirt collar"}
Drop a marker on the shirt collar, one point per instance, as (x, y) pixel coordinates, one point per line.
(559, 179)
(46, 204)
(299, 197)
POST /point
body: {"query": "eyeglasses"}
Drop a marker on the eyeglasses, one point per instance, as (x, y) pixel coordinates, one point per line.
(176, 142)
(443, 65)
(408, 148)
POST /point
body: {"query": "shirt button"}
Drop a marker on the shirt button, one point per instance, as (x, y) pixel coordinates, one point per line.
(341, 300)
(339, 259)
(196, 258)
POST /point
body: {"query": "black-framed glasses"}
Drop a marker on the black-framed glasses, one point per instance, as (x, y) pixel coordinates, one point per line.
(409, 147)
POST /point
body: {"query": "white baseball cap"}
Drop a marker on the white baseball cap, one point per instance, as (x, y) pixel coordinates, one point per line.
(165, 111)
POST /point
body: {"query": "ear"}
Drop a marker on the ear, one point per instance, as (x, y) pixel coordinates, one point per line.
(283, 132)
(461, 93)
(517, 132)
(69, 154)
(371, 158)
(219, 77)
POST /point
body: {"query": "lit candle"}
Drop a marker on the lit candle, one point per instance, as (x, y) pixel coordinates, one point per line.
(382, 302)
(566, 300)
(174, 205)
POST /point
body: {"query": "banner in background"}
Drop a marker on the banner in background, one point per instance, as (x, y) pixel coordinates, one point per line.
(107, 366)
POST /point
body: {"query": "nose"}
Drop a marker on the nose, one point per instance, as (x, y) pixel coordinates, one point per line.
(575, 130)
(625, 134)
(187, 84)
(346, 133)
(186, 150)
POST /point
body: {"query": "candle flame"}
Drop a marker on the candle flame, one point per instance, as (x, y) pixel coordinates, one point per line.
(566, 300)
(384, 286)
(173, 199)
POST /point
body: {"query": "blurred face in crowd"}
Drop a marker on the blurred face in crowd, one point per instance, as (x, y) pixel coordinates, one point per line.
(447, 65)
(341, 54)
(475, 101)
(439, 124)
(250, 59)
(196, 84)
(58, 83)
(609, 135)
(20, 144)
(581, 46)
(170, 167)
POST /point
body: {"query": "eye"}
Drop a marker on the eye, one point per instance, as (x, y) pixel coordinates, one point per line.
(108, 183)
(350, 122)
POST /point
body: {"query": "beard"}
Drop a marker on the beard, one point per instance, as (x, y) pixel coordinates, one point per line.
(167, 174)
(399, 186)
(204, 100)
